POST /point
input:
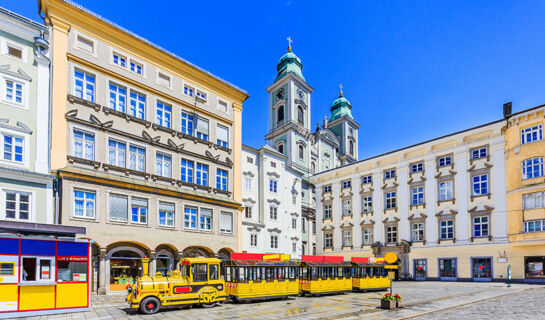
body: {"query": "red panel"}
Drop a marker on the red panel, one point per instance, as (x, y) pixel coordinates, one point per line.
(182, 289)
(335, 259)
(313, 258)
(360, 259)
(246, 256)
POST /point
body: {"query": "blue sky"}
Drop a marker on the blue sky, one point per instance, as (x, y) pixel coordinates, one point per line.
(413, 70)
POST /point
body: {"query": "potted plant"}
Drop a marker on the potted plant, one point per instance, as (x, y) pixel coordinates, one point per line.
(388, 302)
(398, 301)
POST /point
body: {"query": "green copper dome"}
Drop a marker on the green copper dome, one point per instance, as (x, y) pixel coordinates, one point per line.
(340, 107)
(289, 62)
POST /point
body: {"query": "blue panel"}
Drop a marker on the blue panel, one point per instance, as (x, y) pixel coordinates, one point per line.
(72, 249)
(38, 247)
(9, 246)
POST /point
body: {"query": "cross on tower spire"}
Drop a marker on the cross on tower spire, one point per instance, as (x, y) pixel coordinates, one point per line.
(289, 43)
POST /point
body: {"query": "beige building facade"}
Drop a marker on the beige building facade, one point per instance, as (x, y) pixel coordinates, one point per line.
(146, 148)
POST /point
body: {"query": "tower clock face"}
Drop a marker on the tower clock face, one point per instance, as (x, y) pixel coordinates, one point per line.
(300, 93)
(280, 94)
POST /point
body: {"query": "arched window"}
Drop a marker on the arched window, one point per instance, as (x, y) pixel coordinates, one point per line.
(301, 152)
(313, 167)
(280, 148)
(351, 147)
(300, 115)
(280, 115)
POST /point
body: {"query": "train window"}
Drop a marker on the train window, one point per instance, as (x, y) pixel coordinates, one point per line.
(304, 273)
(227, 275)
(200, 273)
(340, 272)
(242, 274)
(186, 271)
(281, 273)
(214, 272)
(314, 273)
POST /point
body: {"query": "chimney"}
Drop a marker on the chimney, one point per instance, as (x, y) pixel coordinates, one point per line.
(145, 266)
(507, 108)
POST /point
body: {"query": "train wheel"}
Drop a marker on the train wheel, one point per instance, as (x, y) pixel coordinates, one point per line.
(150, 305)
(209, 305)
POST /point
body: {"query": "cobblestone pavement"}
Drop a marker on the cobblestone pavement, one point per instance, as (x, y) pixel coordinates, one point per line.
(422, 300)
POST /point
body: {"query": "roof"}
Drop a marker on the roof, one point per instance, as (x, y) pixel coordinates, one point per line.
(289, 63)
(132, 34)
(30, 228)
(22, 19)
(262, 263)
(326, 264)
(204, 260)
(341, 107)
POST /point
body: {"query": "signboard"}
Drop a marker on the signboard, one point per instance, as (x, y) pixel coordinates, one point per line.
(502, 260)
(390, 266)
(391, 275)
(390, 257)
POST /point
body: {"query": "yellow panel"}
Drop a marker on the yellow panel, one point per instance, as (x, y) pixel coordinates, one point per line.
(274, 256)
(71, 295)
(37, 297)
(8, 292)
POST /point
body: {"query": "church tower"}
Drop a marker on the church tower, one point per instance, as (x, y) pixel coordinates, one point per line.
(345, 128)
(289, 112)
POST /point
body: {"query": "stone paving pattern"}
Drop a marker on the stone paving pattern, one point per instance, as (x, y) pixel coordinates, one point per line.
(422, 300)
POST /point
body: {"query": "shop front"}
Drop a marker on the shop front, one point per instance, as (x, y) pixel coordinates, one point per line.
(420, 269)
(125, 266)
(534, 270)
(448, 269)
(481, 269)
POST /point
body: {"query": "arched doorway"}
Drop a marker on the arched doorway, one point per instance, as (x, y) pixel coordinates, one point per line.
(124, 266)
(197, 252)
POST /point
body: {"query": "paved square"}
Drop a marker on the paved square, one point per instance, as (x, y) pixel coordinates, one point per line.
(423, 300)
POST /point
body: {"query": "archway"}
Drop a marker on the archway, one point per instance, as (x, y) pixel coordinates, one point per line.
(124, 264)
(197, 251)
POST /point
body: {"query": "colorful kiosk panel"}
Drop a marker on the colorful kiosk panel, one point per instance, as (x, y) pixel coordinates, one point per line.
(43, 276)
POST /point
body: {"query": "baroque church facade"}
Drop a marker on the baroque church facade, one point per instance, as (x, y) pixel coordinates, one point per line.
(278, 197)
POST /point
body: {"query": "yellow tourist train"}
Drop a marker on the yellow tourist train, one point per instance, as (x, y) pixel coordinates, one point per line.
(248, 276)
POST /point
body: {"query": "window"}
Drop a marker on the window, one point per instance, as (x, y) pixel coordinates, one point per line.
(280, 115)
(273, 186)
(280, 148)
(13, 148)
(274, 242)
(38, 269)
(328, 240)
(301, 152)
(367, 236)
(116, 153)
(480, 226)
(84, 203)
(202, 129)
(84, 145)
(202, 174)
(304, 225)
(200, 272)
(118, 97)
(7, 268)
(479, 153)
(391, 234)
(85, 44)
(221, 179)
(137, 158)
(417, 231)
(366, 179)
(446, 229)
(312, 167)
(444, 161)
(226, 222)
(118, 207)
(222, 105)
(187, 123)
(186, 171)
(351, 143)
(253, 240)
(17, 205)
(248, 183)
(534, 226)
(533, 200)
(347, 238)
(190, 218)
(390, 199)
(136, 67)
(163, 165)
(273, 164)
(84, 85)
(417, 167)
(201, 95)
(532, 168)
(188, 91)
(417, 195)
(445, 190)
(206, 219)
(119, 60)
(367, 204)
(166, 214)
(480, 185)
(14, 92)
(294, 223)
(163, 79)
(346, 184)
(222, 134)
(389, 174)
(248, 212)
(347, 207)
(313, 227)
(300, 115)
(273, 213)
(249, 159)
(137, 102)
(327, 188)
(164, 114)
(327, 211)
(531, 134)
(139, 210)
(15, 52)
(294, 246)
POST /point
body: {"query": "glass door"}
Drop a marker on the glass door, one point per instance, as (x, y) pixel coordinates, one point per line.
(448, 269)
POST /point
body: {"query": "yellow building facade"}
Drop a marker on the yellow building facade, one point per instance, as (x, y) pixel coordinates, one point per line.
(525, 150)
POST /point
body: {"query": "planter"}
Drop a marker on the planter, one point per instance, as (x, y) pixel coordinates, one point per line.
(387, 304)
(399, 303)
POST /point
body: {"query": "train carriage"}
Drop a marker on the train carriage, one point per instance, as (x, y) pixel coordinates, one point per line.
(324, 275)
(368, 276)
(248, 277)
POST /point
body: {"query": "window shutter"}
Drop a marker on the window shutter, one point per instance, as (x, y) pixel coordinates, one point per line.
(202, 126)
(222, 133)
(118, 207)
(139, 202)
(206, 213)
(166, 206)
(225, 222)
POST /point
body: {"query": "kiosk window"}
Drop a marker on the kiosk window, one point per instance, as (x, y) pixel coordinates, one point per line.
(37, 269)
(71, 271)
(7, 268)
(214, 273)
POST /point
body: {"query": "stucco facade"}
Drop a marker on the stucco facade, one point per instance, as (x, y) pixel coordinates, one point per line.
(146, 147)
